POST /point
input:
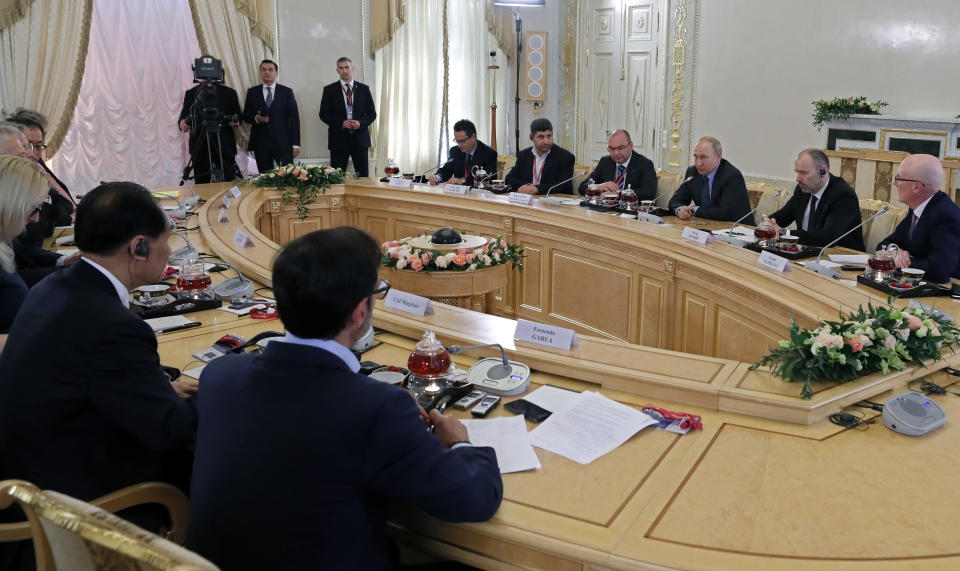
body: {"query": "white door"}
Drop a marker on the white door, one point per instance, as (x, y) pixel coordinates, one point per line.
(621, 76)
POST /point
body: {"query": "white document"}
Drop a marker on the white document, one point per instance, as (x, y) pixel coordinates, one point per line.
(158, 323)
(551, 398)
(849, 258)
(824, 263)
(509, 438)
(64, 240)
(591, 426)
(67, 251)
(194, 373)
(738, 231)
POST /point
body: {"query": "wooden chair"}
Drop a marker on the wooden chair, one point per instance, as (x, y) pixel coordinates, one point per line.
(880, 227)
(504, 164)
(667, 183)
(871, 173)
(71, 534)
(758, 191)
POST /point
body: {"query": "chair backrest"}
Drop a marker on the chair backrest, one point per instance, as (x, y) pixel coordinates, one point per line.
(870, 173)
(504, 164)
(667, 183)
(758, 191)
(880, 227)
(84, 537)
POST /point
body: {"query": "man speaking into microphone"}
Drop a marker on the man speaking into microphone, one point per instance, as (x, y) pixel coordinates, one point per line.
(544, 165)
(823, 206)
(624, 167)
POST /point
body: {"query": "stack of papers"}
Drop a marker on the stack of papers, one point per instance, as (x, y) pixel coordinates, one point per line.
(738, 232)
(509, 438)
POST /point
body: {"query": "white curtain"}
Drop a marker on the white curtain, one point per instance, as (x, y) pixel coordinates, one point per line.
(471, 83)
(125, 123)
(409, 90)
(41, 61)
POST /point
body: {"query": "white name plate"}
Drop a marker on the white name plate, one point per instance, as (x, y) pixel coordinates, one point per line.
(460, 189)
(226, 201)
(234, 192)
(520, 198)
(694, 235)
(774, 262)
(408, 302)
(242, 239)
(401, 183)
(547, 335)
(222, 215)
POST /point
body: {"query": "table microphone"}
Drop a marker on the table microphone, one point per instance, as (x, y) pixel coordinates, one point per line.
(423, 177)
(830, 272)
(575, 175)
(498, 376)
(181, 255)
(728, 237)
(234, 288)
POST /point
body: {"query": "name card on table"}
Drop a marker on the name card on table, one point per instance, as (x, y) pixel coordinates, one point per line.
(242, 239)
(520, 198)
(226, 201)
(234, 192)
(222, 215)
(694, 235)
(460, 189)
(547, 335)
(400, 182)
(774, 262)
(408, 302)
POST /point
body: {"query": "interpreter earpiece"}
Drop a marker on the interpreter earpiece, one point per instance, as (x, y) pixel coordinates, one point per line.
(823, 171)
(142, 249)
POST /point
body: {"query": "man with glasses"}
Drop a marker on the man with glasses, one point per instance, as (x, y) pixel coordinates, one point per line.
(823, 206)
(467, 153)
(335, 446)
(543, 166)
(624, 167)
(715, 187)
(929, 236)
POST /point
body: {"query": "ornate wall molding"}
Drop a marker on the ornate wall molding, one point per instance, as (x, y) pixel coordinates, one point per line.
(679, 60)
(693, 78)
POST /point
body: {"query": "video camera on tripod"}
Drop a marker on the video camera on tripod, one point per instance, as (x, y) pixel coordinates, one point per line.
(208, 72)
(208, 124)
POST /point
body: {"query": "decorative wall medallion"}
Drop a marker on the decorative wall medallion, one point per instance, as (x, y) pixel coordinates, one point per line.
(508, 224)
(668, 270)
(638, 23)
(276, 206)
(335, 201)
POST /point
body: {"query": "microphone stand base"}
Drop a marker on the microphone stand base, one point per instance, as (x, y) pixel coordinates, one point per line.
(515, 382)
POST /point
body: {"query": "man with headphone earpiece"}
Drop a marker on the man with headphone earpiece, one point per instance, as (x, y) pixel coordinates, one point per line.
(823, 206)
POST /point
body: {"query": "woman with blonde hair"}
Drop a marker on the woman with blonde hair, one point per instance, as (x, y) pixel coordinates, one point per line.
(23, 188)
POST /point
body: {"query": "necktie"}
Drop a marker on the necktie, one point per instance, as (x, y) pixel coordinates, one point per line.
(812, 218)
(349, 89)
(913, 223)
(269, 95)
(706, 200)
(620, 177)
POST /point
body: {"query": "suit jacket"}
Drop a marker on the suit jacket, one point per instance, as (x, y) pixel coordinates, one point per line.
(102, 414)
(641, 175)
(838, 211)
(12, 293)
(935, 245)
(333, 112)
(728, 196)
(334, 447)
(282, 132)
(228, 104)
(558, 167)
(457, 164)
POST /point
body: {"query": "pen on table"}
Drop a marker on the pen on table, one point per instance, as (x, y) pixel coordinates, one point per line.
(179, 327)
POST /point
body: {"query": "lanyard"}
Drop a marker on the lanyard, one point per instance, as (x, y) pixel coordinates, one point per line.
(536, 173)
(348, 94)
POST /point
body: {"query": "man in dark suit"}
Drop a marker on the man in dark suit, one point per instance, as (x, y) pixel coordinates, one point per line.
(211, 108)
(272, 110)
(467, 153)
(823, 206)
(624, 167)
(347, 109)
(715, 186)
(334, 445)
(542, 166)
(101, 414)
(929, 237)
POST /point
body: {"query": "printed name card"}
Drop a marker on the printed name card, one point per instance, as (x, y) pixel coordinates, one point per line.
(400, 182)
(774, 262)
(408, 302)
(242, 240)
(222, 215)
(234, 192)
(548, 335)
(694, 235)
(460, 189)
(520, 198)
(226, 201)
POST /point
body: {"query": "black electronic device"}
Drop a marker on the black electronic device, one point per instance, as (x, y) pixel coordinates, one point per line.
(207, 69)
(175, 307)
(530, 411)
(469, 400)
(486, 405)
(367, 367)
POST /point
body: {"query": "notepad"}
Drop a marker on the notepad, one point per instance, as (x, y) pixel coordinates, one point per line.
(509, 439)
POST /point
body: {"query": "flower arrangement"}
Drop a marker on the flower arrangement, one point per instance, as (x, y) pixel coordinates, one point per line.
(843, 107)
(399, 254)
(300, 183)
(878, 339)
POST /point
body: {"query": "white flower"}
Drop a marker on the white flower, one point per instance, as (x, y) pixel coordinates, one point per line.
(472, 267)
(478, 252)
(441, 261)
(401, 263)
(496, 256)
(486, 260)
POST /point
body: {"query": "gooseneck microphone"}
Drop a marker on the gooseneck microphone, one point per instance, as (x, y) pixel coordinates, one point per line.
(728, 237)
(830, 272)
(234, 288)
(575, 175)
(181, 255)
(497, 371)
(423, 177)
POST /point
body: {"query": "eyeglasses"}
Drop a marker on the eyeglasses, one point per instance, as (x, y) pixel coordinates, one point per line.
(898, 179)
(620, 148)
(462, 141)
(35, 147)
(381, 292)
(35, 211)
